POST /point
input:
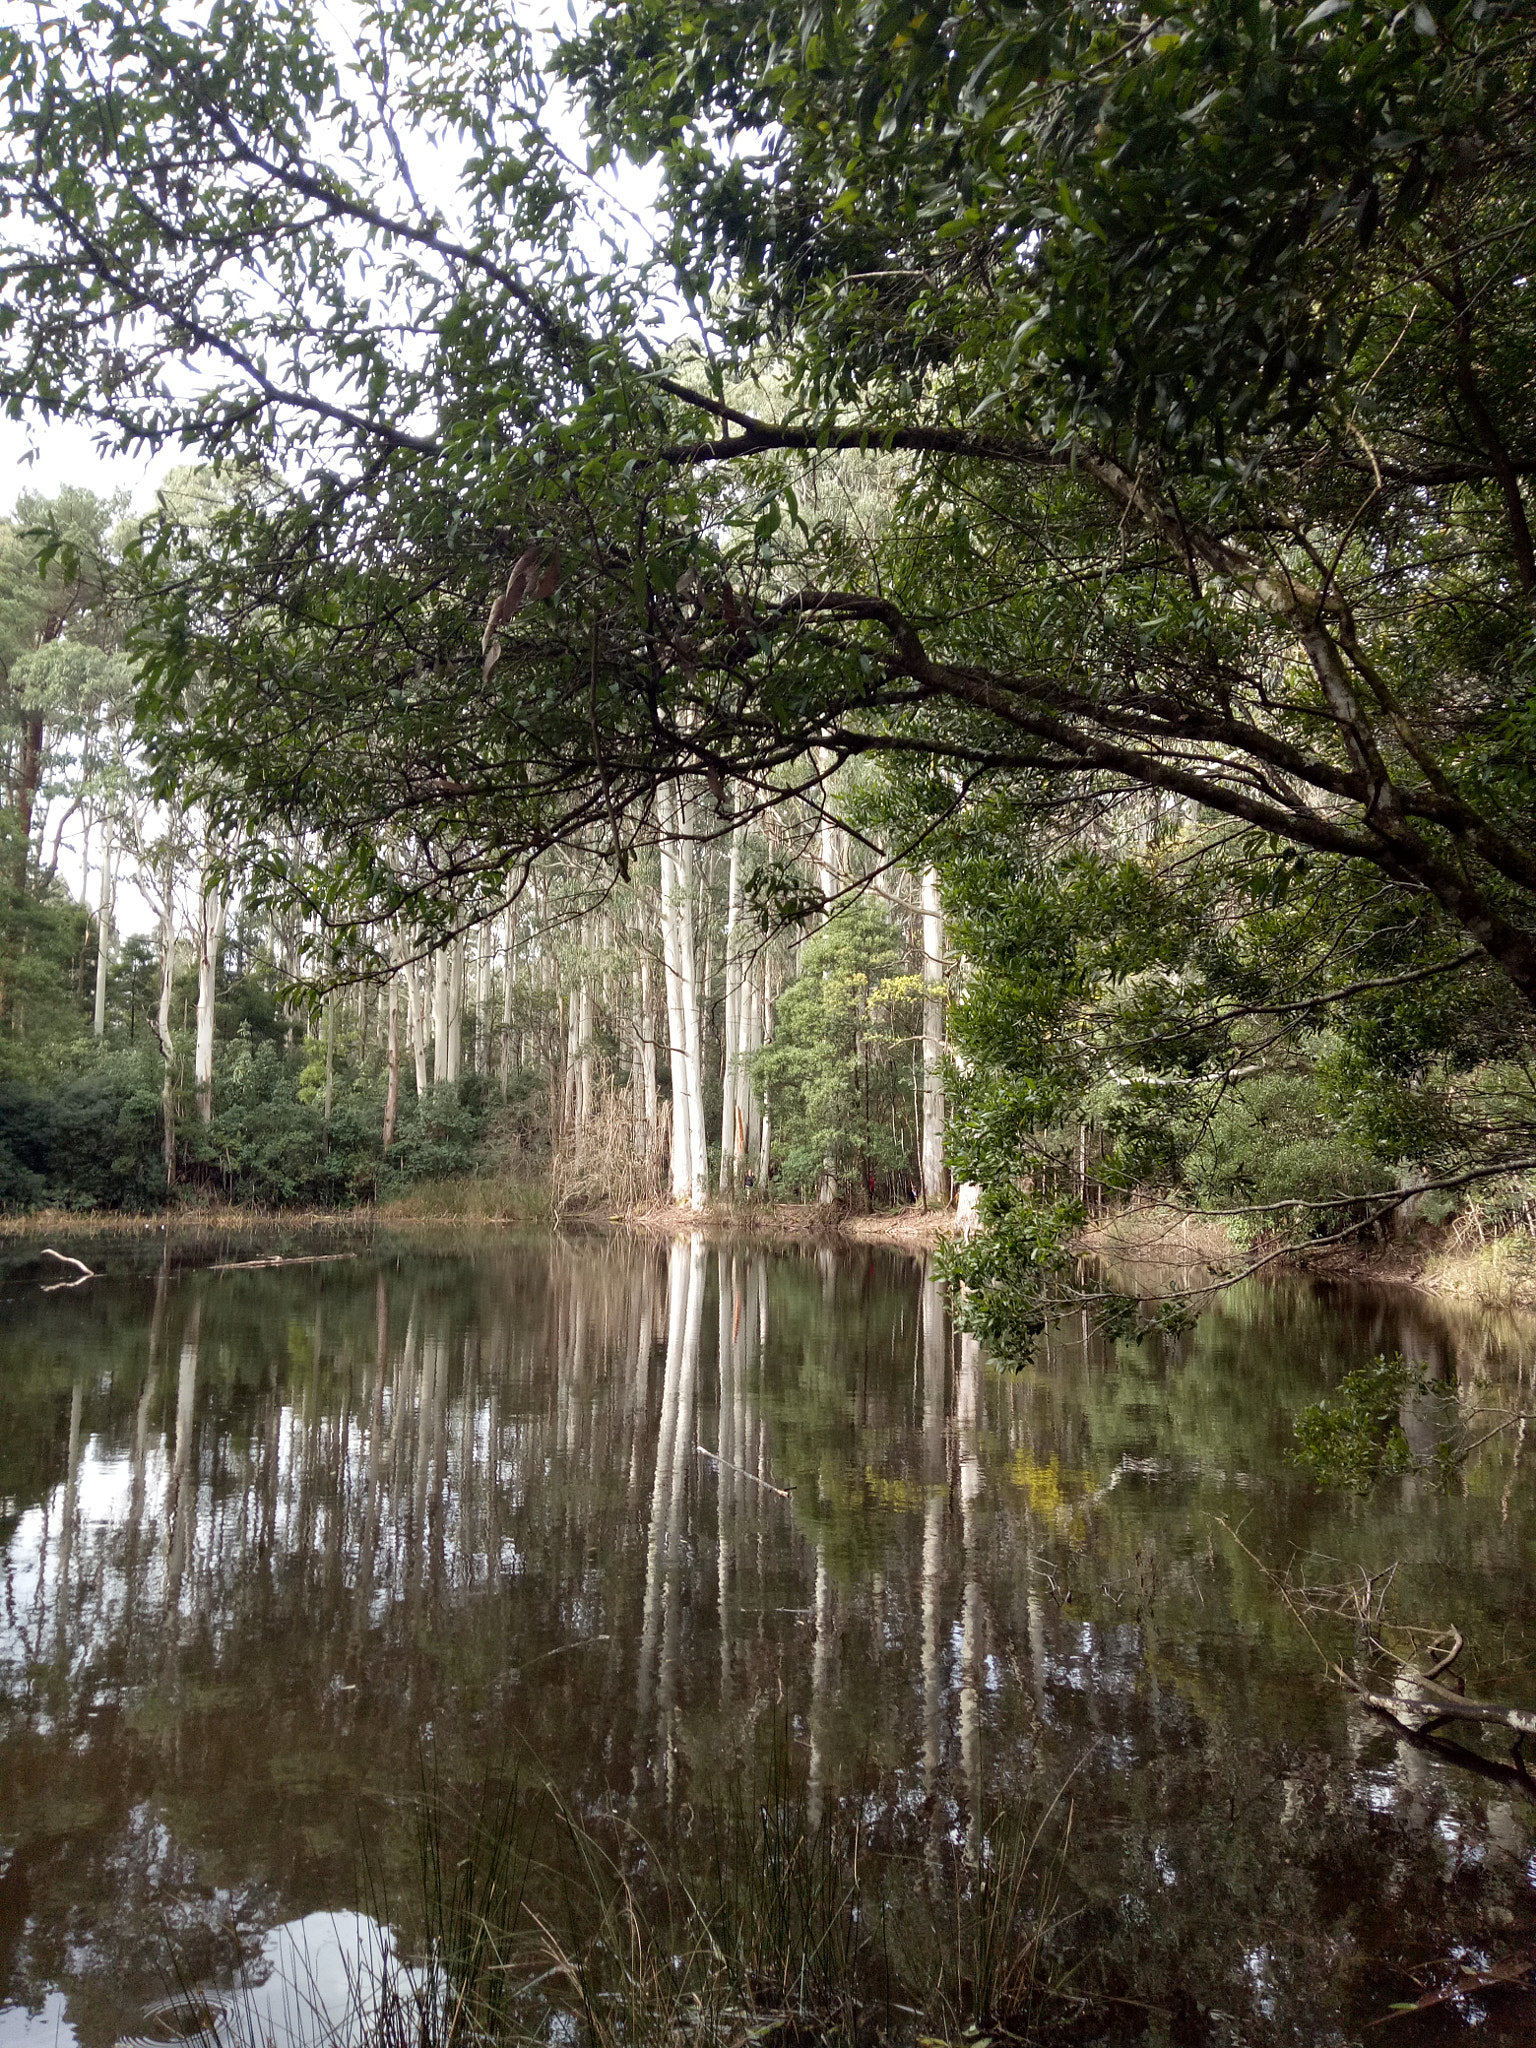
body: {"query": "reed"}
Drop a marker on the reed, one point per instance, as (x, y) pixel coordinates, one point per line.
(763, 1917)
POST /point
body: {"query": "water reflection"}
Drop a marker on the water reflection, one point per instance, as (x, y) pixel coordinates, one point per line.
(605, 1511)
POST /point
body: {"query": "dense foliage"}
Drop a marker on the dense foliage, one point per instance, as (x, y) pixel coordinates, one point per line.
(840, 1075)
(1194, 353)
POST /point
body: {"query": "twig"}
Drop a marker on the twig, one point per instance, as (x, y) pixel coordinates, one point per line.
(782, 1491)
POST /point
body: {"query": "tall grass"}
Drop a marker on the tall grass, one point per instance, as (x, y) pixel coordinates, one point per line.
(757, 1919)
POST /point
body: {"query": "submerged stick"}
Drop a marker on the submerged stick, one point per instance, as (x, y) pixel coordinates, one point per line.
(306, 1259)
(767, 1485)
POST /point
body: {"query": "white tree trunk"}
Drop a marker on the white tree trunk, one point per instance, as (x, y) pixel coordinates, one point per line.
(163, 1015)
(584, 1070)
(213, 907)
(104, 932)
(753, 984)
(456, 1007)
(677, 1050)
(765, 1128)
(392, 1053)
(440, 967)
(416, 1014)
(688, 999)
(650, 1105)
(484, 941)
(508, 981)
(735, 997)
(935, 1175)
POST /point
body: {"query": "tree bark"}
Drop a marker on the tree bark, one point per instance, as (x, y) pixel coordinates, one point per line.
(732, 1021)
(163, 1016)
(508, 981)
(104, 910)
(649, 1099)
(213, 906)
(935, 1175)
(416, 1015)
(392, 1058)
(484, 941)
(440, 967)
(455, 952)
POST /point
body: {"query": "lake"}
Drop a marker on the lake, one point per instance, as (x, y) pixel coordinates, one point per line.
(282, 1546)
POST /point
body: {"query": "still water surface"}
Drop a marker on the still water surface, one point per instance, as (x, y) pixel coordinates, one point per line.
(270, 1539)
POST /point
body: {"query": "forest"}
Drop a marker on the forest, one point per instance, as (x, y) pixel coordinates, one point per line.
(978, 632)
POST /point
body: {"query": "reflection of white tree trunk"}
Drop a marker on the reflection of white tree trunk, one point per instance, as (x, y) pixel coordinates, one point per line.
(726, 1480)
(61, 1600)
(685, 1314)
(677, 1513)
(678, 1270)
(933, 1670)
(821, 1682)
(973, 1614)
(182, 1503)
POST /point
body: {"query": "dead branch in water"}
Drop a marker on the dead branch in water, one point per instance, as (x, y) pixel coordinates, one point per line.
(1419, 1704)
(64, 1259)
(306, 1259)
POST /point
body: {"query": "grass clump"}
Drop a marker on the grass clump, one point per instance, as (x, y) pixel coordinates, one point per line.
(760, 1917)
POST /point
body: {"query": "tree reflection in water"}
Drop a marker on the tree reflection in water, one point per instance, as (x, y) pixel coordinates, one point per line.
(602, 1511)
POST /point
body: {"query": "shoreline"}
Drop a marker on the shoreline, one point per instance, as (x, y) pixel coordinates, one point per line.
(1499, 1272)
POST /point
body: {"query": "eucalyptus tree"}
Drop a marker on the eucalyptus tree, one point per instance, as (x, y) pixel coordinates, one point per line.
(1198, 346)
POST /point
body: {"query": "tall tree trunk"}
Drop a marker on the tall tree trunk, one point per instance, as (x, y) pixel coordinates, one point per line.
(392, 1057)
(585, 1077)
(163, 1016)
(29, 774)
(485, 942)
(440, 970)
(508, 980)
(677, 1035)
(104, 932)
(456, 1007)
(330, 1047)
(688, 1003)
(650, 1103)
(734, 1004)
(213, 907)
(749, 1110)
(416, 1014)
(935, 1175)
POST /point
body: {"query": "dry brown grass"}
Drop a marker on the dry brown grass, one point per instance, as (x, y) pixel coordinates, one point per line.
(1498, 1273)
(1155, 1234)
(192, 1220)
